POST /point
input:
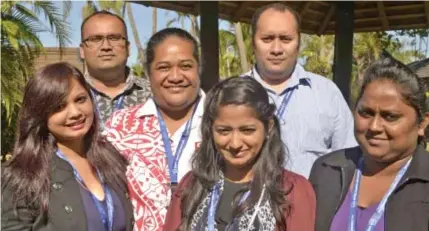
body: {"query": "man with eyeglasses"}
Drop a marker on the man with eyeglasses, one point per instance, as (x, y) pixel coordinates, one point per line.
(105, 49)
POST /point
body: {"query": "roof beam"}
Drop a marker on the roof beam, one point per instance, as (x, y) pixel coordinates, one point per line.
(171, 6)
(427, 11)
(366, 10)
(406, 16)
(241, 10)
(393, 17)
(304, 8)
(382, 13)
(197, 9)
(326, 20)
(405, 7)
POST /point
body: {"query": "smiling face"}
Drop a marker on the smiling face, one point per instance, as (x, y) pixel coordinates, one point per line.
(238, 135)
(385, 126)
(74, 117)
(276, 44)
(174, 74)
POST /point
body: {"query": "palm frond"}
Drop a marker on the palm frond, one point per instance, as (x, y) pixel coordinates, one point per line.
(67, 6)
(171, 22)
(88, 9)
(58, 26)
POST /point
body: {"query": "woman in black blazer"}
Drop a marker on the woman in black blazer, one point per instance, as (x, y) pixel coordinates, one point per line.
(63, 175)
(383, 184)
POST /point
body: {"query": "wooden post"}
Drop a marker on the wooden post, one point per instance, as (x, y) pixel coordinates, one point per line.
(344, 47)
(209, 44)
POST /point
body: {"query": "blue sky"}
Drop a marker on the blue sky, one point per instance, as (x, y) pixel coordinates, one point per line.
(142, 17)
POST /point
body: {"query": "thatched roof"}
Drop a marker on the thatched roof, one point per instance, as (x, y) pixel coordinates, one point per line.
(318, 17)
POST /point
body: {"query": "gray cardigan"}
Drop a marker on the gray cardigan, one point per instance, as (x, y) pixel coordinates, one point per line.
(66, 210)
(406, 209)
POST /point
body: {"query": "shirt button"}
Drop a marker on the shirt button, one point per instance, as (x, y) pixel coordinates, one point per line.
(127, 195)
(57, 186)
(68, 209)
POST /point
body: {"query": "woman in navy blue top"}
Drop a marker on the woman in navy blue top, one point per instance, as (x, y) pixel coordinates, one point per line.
(63, 175)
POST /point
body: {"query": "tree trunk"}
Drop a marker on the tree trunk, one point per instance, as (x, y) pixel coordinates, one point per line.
(124, 5)
(135, 33)
(195, 27)
(241, 47)
(154, 20)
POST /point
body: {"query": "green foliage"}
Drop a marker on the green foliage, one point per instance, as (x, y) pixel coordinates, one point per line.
(20, 45)
(229, 55)
(89, 8)
(138, 70)
(8, 132)
(415, 32)
(318, 51)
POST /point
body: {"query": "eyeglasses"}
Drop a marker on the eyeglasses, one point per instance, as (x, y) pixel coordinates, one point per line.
(97, 40)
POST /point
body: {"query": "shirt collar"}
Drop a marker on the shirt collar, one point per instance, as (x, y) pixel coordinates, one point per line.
(129, 82)
(299, 76)
(149, 108)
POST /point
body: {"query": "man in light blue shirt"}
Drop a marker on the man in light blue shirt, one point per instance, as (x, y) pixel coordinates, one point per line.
(314, 117)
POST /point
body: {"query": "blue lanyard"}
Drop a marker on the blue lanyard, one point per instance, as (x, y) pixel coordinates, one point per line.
(381, 206)
(280, 110)
(214, 200)
(105, 216)
(97, 109)
(173, 160)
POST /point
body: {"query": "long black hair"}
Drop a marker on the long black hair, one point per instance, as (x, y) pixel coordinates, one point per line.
(207, 163)
(27, 174)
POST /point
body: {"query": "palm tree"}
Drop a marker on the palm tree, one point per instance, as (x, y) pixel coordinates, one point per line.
(195, 28)
(241, 47)
(228, 59)
(318, 51)
(89, 8)
(20, 46)
(235, 50)
(181, 18)
(154, 20)
(135, 34)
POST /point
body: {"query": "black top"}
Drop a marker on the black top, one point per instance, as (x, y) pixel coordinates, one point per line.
(406, 209)
(93, 217)
(224, 210)
(66, 210)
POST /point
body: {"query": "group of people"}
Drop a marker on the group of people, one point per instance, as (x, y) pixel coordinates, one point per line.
(274, 149)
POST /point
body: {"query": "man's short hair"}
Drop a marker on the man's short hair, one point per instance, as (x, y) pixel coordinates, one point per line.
(106, 13)
(278, 7)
